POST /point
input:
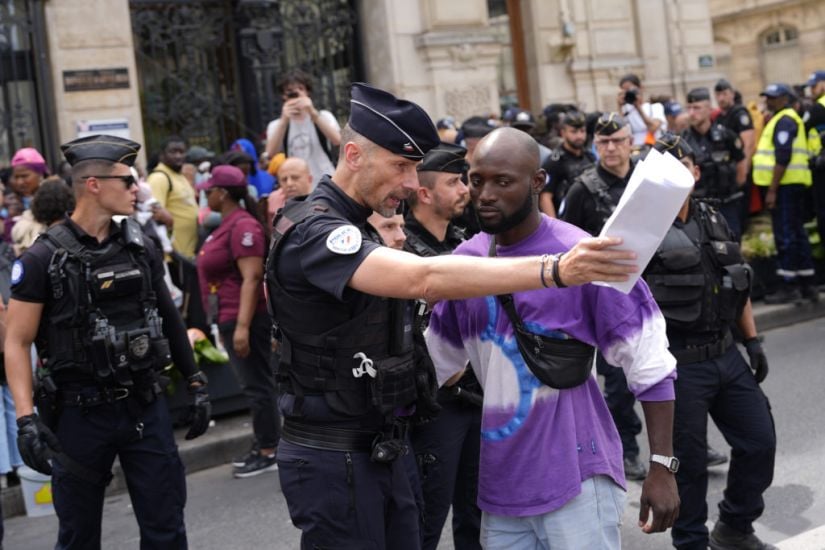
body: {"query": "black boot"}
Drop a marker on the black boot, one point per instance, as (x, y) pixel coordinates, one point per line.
(724, 537)
(808, 289)
(788, 293)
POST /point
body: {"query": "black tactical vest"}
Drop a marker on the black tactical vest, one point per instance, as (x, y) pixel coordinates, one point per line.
(718, 169)
(103, 319)
(701, 285)
(598, 189)
(364, 363)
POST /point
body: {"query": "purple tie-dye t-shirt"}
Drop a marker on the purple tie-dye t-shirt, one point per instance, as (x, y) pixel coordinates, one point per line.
(538, 443)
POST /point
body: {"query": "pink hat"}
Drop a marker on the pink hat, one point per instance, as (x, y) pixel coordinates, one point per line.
(30, 158)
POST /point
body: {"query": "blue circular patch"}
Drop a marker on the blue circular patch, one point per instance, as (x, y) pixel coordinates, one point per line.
(17, 272)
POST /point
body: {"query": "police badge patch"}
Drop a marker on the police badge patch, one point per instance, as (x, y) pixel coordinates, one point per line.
(17, 272)
(782, 137)
(344, 240)
(744, 120)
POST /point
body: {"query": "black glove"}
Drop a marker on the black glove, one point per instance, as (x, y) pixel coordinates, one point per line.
(36, 443)
(426, 384)
(201, 407)
(758, 359)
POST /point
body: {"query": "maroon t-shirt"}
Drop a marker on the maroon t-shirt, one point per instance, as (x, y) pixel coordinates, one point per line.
(239, 235)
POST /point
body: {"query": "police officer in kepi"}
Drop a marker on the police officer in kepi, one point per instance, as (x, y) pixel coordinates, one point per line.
(566, 162)
(90, 294)
(720, 156)
(701, 283)
(347, 374)
(447, 446)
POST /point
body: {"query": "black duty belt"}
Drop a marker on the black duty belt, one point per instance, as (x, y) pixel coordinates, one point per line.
(326, 438)
(703, 352)
(92, 398)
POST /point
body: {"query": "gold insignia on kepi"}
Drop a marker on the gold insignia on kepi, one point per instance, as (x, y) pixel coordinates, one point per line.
(609, 123)
(106, 284)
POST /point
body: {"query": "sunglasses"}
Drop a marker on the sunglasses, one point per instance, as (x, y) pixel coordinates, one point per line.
(128, 180)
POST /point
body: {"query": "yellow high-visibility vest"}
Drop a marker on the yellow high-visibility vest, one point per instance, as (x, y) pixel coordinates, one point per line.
(765, 157)
(814, 139)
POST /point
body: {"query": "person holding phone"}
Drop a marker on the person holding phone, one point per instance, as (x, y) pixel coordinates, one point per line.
(302, 130)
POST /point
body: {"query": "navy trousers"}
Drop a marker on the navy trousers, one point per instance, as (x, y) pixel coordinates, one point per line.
(725, 389)
(153, 470)
(793, 250)
(447, 452)
(344, 501)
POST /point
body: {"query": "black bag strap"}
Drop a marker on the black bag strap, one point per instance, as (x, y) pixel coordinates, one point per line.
(506, 299)
(168, 179)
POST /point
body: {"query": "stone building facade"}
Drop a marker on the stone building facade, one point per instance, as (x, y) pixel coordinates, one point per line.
(456, 57)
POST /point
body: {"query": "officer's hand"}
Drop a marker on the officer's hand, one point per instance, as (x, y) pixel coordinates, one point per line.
(659, 495)
(240, 341)
(595, 259)
(201, 407)
(758, 359)
(36, 443)
(770, 199)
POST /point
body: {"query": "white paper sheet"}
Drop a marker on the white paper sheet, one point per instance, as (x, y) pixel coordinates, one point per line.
(655, 193)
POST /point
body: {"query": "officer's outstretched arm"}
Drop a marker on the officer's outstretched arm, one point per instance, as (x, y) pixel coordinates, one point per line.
(397, 274)
(23, 320)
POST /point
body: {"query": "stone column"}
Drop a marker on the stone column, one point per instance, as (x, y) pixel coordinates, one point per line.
(87, 35)
(442, 55)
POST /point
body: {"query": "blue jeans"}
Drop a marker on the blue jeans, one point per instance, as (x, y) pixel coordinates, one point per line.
(591, 520)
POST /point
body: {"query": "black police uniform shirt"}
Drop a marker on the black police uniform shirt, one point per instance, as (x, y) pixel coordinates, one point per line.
(816, 121)
(702, 146)
(563, 167)
(737, 119)
(580, 206)
(327, 251)
(30, 283)
(452, 239)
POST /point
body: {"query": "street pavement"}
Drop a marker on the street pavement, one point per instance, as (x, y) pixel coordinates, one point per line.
(225, 513)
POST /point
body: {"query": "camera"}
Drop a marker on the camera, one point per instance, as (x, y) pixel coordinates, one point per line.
(630, 96)
(292, 95)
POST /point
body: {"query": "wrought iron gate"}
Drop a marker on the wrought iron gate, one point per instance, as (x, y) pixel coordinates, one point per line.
(25, 85)
(208, 68)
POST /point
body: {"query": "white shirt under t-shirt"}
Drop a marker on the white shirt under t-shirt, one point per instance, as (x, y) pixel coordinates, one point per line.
(302, 141)
(637, 124)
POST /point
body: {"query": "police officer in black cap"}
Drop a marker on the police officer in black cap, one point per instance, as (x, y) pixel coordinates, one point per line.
(701, 283)
(447, 446)
(720, 156)
(90, 294)
(347, 370)
(566, 162)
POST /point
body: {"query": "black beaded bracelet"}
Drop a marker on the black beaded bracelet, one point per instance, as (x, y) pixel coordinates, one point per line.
(555, 271)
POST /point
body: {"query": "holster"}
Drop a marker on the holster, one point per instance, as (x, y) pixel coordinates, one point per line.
(48, 407)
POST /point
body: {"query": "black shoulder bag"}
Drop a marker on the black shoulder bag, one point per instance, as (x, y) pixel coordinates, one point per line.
(558, 363)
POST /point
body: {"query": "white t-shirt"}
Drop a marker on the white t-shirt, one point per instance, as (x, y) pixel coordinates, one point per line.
(302, 141)
(637, 124)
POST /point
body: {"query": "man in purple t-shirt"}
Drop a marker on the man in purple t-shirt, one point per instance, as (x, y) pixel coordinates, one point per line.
(551, 469)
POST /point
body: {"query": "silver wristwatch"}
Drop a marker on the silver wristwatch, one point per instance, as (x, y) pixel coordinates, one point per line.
(669, 462)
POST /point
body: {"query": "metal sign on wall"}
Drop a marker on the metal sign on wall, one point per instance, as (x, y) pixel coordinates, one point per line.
(95, 79)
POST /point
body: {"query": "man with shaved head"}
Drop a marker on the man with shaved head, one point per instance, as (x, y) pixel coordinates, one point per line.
(551, 471)
(294, 180)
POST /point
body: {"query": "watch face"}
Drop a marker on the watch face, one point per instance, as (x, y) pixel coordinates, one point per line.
(674, 464)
